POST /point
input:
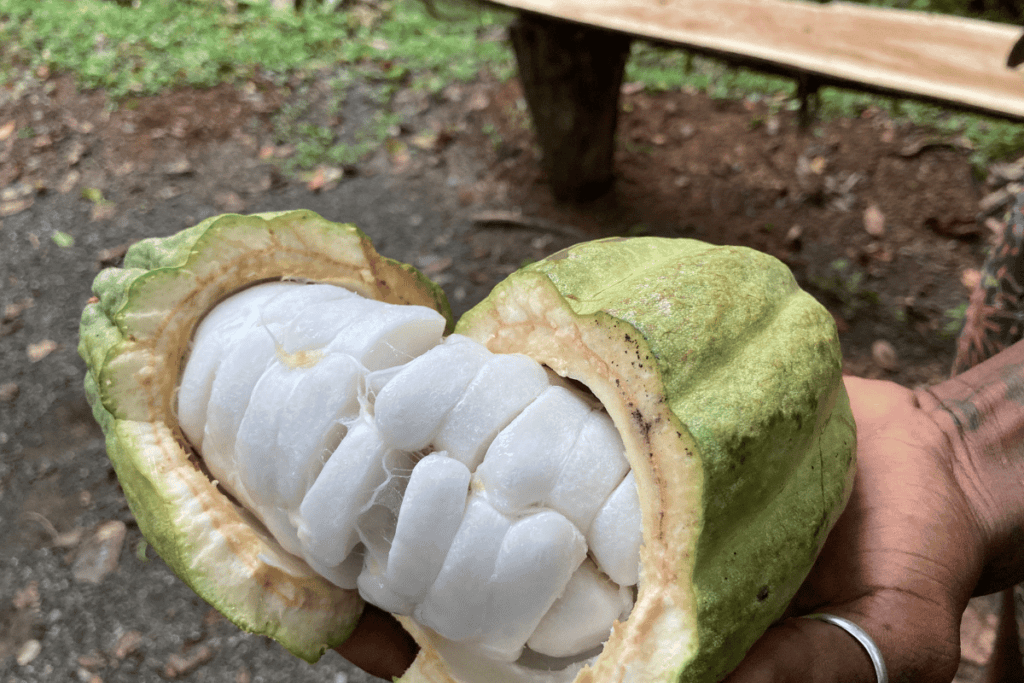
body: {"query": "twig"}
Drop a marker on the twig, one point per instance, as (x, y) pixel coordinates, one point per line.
(515, 220)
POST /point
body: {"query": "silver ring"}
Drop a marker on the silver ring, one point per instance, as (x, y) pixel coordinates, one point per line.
(862, 637)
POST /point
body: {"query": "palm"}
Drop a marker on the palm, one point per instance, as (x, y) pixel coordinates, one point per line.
(900, 561)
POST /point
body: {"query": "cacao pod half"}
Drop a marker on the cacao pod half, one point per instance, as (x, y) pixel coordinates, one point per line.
(721, 376)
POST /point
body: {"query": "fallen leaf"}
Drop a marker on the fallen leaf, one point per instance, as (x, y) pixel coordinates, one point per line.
(229, 202)
(127, 644)
(92, 662)
(435, 264)
(978, 633)
(62, 239)
(16, 191)
(8, 392)
(179, 129)
(179, 665)
(915, 147)
(970, 278)
(27, 597)
(398, 153)
(995, 226)
(874, 221)
(100, 553)
(124, 169)
(6, 130)
(212, 617)
(78, 148)
(40, 350)
(17, 206)
(103, 211)
(83, 127)
(884, 355)
(1008, 172)
(10, 327)
(479, 101)
(181, 166)
(92, 194)
(68, 539)
(111, 255)
(426, 140)
(68, 182)
(168, 192)
(28, 652)
(323, 177)
(995, 201)
(12, 311)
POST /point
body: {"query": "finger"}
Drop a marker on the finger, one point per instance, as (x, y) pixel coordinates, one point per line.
(805, 651)
(876, 402)
(379, 645)
(918, 639)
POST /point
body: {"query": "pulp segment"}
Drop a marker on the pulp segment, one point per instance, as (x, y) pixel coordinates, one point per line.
(475, 492)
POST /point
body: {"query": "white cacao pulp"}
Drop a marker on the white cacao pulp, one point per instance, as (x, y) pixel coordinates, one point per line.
(469, 490)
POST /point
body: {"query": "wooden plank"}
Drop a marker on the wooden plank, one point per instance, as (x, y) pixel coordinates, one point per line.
(930, 56)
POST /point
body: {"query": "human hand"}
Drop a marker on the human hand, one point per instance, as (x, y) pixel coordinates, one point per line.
(901, 562)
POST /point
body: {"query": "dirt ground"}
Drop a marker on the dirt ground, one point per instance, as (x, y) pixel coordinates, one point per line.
(883, 222)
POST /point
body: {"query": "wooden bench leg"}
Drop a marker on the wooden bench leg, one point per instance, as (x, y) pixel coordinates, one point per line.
(571, 76)
(807, 90)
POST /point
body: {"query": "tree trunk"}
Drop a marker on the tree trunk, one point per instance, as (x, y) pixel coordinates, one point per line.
(571, 76)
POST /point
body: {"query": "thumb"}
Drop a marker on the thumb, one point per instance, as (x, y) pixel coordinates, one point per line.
(379, 645)
(802, 650)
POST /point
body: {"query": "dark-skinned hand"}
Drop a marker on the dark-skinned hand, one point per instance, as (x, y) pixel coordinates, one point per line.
(901, 562)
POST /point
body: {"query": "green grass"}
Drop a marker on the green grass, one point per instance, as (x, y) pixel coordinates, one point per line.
(953, 321)
(661, 69)
(161, 44)
(846, 284)
(166, 43)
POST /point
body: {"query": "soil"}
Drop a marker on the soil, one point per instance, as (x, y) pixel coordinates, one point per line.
(882, 221)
